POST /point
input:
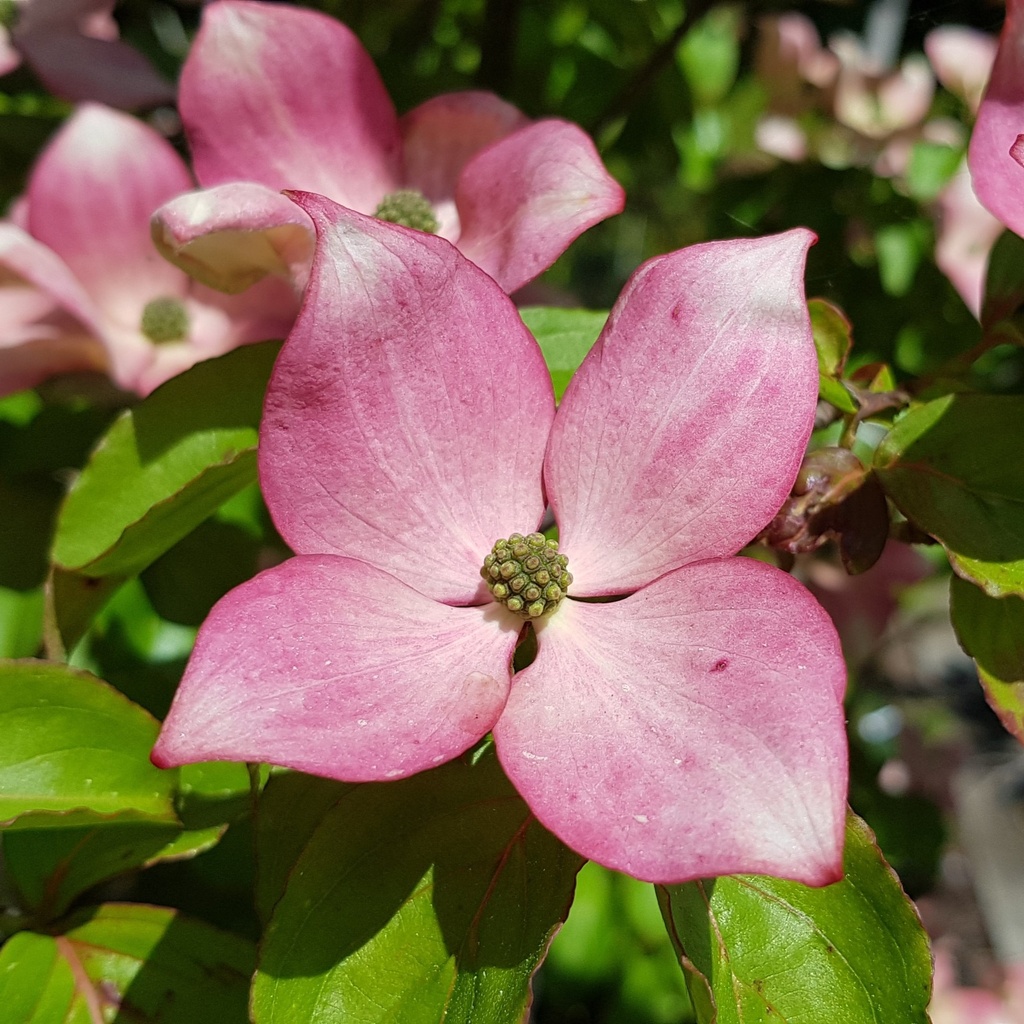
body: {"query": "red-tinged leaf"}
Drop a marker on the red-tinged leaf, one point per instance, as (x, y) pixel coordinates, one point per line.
(149, 965)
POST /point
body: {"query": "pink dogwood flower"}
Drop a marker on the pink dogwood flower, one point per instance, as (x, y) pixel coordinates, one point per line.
(73, 46)
(683, 716)
(277, 97)
(994, 156)
(83, 288)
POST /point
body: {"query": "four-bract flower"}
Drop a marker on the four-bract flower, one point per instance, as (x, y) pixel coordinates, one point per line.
(277, 97)
(690, 726)
(996, 153)
(81, 285)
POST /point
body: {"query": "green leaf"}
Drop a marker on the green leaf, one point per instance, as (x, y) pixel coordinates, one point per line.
(1004, 280)
(991, 630)
(72, 602)
(21, 622)
(165, 465)
(185, 582)
(429, 899)
(760, 949)
(955, 468)
(72, 743)
(832, 336)
(832, 340)
(36, 983)
(709, 55)
(565, 337)
(51, 867)
(146, 964)
(290, 809)
(613, 952)
(932, 164)
(900, 249)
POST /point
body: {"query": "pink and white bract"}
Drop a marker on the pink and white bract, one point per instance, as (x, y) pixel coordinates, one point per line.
(73, 46)
(690, 727)
(995, 156)
(78, 268)
(277, 97)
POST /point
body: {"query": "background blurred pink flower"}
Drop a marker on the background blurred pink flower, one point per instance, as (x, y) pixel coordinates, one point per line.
(72, 46)
(81, 285)
(962, 59)
(275, 97)
(690, 727)
(965, 234)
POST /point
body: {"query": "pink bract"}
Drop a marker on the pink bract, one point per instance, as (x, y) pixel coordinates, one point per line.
(997, 175)
(690, 726)
(78, 269)
(277, 97)
(72, 46)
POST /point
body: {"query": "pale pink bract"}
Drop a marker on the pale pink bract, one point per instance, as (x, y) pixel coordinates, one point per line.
(691, 726)
(278, 97)
(78, 267)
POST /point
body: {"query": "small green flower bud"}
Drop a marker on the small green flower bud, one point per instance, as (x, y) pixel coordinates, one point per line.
(527, 574)
(164, 320)
(409, 208)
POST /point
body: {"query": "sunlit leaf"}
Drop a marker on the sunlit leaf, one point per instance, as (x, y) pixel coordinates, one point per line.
(429, 899)
(759, 949)
(955, 468)
(165, 465)
(991, 631)
(126, 962)
(75, 746)
(565, 336)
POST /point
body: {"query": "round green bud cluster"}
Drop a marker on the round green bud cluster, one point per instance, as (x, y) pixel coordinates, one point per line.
(408, 208)
(165, 320)
(527, 574)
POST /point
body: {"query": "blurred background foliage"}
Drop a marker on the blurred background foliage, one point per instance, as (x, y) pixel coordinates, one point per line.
(672, 95)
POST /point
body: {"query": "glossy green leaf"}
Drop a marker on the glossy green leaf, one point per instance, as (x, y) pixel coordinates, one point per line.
(565, 336)
(955, 468)
(290, 809)
(126, 962)
(50, 867)
(429, 899)
(165, 465)
(991, 630)
(759, 949)
(37, 985)
(72, 743)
